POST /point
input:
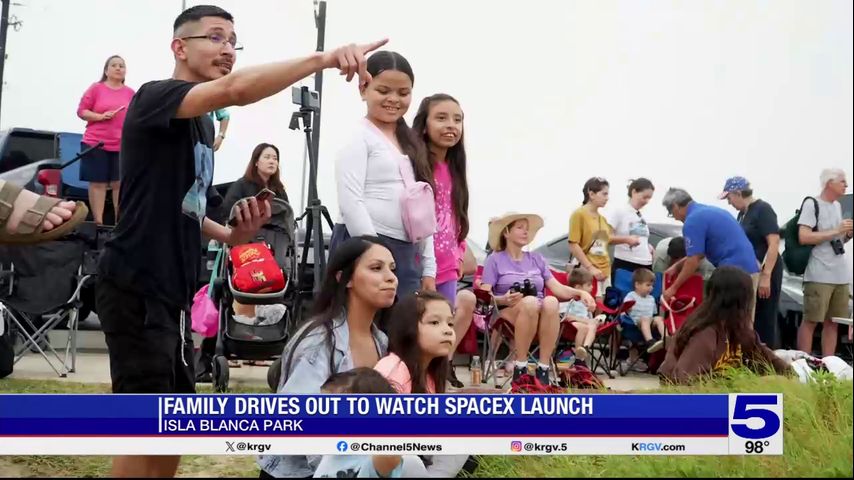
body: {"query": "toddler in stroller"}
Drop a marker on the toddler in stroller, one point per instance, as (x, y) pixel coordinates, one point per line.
(254, 296)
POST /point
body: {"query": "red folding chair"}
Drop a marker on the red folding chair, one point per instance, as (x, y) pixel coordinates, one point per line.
(500, 333)
(603, 354)
(687, 299)
(468, 344)
(496, 331)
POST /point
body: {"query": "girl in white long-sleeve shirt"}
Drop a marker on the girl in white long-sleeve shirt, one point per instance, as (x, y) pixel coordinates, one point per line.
(368, 175)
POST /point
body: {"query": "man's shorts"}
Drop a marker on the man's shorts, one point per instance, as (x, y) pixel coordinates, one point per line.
(824, 300)
(144, 338)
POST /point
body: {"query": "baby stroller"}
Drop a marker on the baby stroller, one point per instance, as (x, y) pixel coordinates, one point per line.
(264, 340)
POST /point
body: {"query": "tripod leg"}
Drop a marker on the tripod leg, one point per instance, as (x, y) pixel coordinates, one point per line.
(328, 217)
(305, 244)
(319, 249)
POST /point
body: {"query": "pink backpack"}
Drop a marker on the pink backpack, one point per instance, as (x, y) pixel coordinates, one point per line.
(204, 313)
(417, 205)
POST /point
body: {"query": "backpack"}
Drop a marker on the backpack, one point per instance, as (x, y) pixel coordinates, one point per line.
(796, 256)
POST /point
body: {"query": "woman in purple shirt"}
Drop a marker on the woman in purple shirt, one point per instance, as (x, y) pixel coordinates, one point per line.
(531, 315)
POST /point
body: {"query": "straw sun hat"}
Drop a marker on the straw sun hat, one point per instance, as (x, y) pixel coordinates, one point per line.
(498, 224)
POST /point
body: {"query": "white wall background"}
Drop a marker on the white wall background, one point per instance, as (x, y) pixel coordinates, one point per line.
(683, 92)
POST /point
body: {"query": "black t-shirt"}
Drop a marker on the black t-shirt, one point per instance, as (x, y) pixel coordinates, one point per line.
(167, 169)
(758, 222)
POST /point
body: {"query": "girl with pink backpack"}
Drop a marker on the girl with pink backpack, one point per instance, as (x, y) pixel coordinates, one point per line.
(385, 187)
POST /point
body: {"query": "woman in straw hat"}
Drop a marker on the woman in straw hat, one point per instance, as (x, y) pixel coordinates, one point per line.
(531, 315)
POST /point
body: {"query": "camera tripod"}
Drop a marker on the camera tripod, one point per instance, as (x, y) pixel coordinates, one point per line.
(314, 214)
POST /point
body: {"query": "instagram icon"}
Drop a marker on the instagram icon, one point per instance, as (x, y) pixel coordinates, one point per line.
(516, 446)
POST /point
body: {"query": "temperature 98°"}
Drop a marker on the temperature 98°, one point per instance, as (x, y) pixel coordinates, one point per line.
(756, 446)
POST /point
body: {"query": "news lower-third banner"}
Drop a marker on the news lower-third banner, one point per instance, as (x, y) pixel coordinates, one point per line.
(596, 424)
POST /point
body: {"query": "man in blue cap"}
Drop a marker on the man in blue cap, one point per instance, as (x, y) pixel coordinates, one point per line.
(709, 232)
(760, 224)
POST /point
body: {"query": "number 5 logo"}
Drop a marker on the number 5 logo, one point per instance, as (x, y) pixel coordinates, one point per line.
(744, 412)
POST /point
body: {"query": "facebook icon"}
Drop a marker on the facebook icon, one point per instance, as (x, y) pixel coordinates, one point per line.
(342, 446)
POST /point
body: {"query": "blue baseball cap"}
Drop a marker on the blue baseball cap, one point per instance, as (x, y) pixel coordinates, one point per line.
(734, 184)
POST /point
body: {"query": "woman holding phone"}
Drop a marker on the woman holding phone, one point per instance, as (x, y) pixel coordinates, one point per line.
(261, 180)
(262, 172)
(103, 106)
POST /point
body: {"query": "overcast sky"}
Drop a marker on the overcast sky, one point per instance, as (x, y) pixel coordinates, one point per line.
(683, 92)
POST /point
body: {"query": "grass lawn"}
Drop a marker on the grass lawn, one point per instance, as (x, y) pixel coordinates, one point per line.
(818, 441)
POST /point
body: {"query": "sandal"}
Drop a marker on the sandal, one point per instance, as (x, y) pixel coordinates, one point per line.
(30, 229)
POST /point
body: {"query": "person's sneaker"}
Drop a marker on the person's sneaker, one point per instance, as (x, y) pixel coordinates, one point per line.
(452, 377)
(640, 367)
(581, 353)
(653, 346)
(518, 372)
(544, 375)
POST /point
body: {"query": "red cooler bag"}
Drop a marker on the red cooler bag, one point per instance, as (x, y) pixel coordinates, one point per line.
(255, 269)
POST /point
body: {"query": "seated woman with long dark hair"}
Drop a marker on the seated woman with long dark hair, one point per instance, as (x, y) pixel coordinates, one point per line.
(359, 287)
(262, 172)
(719, 335)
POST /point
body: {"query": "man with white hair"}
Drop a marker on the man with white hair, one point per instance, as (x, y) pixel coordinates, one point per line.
(826, 276)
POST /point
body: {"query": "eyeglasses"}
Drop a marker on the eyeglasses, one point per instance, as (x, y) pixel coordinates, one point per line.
(218, 39)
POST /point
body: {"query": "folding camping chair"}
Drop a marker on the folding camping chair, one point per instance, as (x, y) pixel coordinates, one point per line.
(41, 290)
(687, 299)
(626, 329)
(603, 349)
(484, 319)
(498, 334)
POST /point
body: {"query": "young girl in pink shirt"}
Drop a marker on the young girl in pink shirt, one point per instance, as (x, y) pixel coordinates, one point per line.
(439, 122)
(420, 338)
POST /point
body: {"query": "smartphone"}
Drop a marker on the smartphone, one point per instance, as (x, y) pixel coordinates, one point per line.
(264, 195)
